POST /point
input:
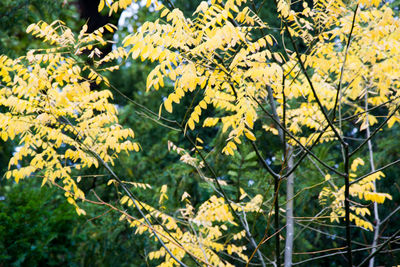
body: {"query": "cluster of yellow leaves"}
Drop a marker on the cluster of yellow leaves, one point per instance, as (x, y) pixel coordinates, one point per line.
(370, 67)
(214, 55)
(210, 54)
(201, 233)
(369, 3)
(185, 156)
(319, 18)
(209, 227)
(363, 190)
(60, 122)
(134, 184)
(116, 5)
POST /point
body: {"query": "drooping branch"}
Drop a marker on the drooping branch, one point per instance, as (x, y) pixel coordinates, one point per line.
(228, 201)
(135, 201)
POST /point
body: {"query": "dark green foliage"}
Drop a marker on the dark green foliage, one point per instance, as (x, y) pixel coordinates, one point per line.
(36, 228)
(39, 228)
(17, 15)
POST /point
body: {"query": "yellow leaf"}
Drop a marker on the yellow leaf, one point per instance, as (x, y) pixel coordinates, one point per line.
(249, 120)
(168, 105)
(175, 98)
(327, 177)
(242, 194)
(136, 147)
(228, 150)
(159, 6)
(191, 124)
(101, 5)
(81, 211)
(232, 145)
(277, 57)
(203, 104)
(164, 13)
(109, 28)
(4, 136)
(164, 189)
(185, 195)
(355, 163)
(124, 199)
(250, 136)
(269, 40)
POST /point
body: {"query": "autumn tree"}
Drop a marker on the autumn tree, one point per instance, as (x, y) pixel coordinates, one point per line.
(330, 84)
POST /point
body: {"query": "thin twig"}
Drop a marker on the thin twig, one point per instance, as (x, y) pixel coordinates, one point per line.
(377, 170)
(375, 131)
(379, 248)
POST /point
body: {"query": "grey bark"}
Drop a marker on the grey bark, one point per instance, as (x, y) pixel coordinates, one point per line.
(289, 212)
(376, 211)
(288, 261)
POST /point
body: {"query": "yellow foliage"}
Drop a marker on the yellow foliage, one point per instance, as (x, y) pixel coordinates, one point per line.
(62, 123)
(363, 190)
(211, 220)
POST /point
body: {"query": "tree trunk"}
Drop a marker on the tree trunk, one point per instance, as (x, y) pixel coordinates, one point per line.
(289, 210)
(376, 211)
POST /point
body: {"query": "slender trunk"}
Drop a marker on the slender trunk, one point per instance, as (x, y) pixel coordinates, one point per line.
(271, 101)
(276, 223)
(288, 154)
(347, 204)
(289, 211)
(376, 211)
